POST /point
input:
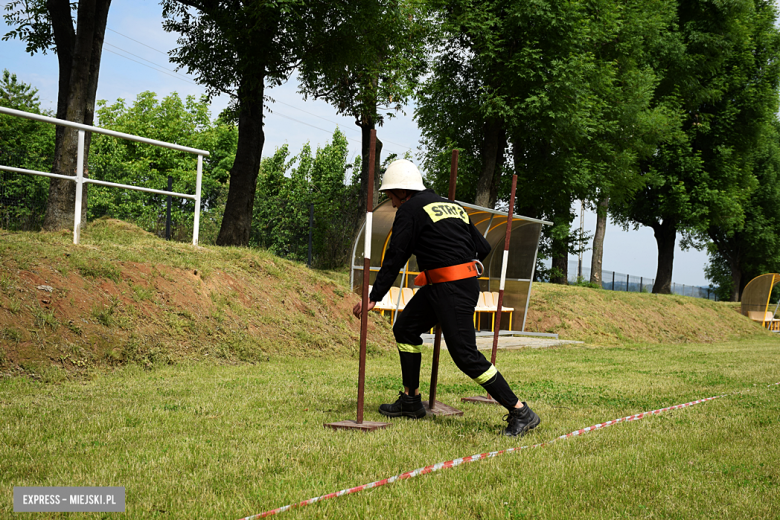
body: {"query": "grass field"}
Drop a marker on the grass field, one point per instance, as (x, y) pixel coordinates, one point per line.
(208, 440)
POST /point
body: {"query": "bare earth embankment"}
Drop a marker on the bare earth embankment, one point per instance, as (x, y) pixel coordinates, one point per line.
(124, 296)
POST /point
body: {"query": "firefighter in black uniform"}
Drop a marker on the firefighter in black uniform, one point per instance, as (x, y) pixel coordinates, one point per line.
(439, 232)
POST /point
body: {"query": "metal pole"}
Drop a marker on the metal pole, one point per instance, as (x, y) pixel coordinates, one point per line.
(582, 232)
(531, 281)
(79, 188)
(504, 265)
(437, 338)
(196, 223)
(366, 281)
(485, 234)
(627, 279)
(311, 228)
(500, 302)
(404, 281)
(168, 211)
(640, 283)
(613, 280)
(98, 130)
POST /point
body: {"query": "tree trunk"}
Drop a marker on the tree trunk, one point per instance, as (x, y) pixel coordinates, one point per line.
(736, 278)
(665, 236)
(598, 241)
(237, 220)
(79, 54)
(560, 263)
(377, 168)
(366, 124)
(523, 206)
(492, 158)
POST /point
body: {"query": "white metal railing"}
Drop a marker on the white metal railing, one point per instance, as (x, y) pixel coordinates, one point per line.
(80, 180)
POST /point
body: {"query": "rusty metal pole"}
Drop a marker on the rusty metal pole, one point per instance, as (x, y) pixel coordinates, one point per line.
(359, 424)
(437, 339)
(366, 274)
(503, 268)
(500, 302)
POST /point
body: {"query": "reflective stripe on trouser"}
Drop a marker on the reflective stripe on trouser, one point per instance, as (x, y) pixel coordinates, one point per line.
(450, 304)
(486, 376)
(411, 349)
(411, 358)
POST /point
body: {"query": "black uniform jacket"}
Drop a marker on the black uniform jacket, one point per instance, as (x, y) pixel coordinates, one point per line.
(436, 230)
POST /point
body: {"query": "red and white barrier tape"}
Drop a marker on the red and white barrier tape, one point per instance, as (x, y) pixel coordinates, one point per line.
(481, 456)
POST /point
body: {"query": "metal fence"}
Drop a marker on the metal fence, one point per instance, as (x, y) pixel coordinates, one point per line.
(615, 281)
(80, 179)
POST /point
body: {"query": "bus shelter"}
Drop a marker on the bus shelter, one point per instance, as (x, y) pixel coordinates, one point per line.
(755, 300)
(523, 246)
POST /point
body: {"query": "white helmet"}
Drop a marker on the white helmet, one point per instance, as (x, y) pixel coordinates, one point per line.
(402, 175)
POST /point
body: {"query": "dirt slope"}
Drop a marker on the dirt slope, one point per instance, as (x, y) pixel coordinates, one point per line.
(125, 296)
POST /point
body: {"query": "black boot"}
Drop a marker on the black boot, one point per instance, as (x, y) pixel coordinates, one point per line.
(520, 420)
(406, 406)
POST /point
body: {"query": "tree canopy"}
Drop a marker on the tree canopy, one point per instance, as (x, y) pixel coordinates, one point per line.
(661, 114)
(722, 86)
(286, 190)
(78, 42)
(369, 66)
(23, 144)
(187, 123)
(243, 49)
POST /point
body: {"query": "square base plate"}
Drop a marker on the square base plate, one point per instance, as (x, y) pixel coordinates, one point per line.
(441, 409)
(479, 399)
(366, 426)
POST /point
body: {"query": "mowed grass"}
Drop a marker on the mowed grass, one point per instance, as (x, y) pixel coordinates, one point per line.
(215, 441)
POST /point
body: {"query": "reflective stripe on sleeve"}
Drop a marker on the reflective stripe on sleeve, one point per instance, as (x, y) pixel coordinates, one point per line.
(486, 376)
(411, 349)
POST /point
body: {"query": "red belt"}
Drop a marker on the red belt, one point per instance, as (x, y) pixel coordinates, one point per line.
(447, 274)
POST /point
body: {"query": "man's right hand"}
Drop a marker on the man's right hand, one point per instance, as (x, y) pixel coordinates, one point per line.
(358, 308)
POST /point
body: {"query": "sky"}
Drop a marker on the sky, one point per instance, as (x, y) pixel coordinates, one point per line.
(135, 59)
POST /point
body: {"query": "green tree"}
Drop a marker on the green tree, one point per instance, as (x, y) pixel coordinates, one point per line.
(736, 256)
(49, 25)
(723, 88)
(463, 103)
(448, 114)
(285, 194)
(23, 144)
(628, 126)
(558, 93)
(369, 68)
(523, 104)
(243, 49)
(741, 249)
(171, 120)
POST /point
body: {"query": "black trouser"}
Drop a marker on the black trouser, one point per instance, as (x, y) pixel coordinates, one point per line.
(450, 304)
